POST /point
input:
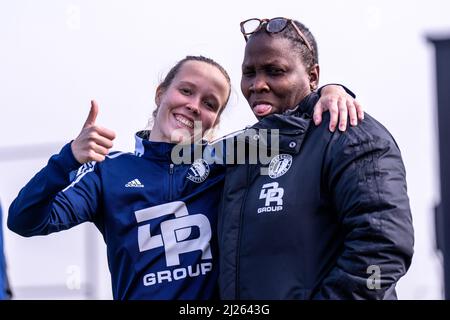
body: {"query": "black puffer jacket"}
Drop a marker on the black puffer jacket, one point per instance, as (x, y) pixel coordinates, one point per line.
(331, 220)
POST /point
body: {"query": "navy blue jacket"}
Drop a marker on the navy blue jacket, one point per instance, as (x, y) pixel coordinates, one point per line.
(327, 218)
(158, 219)
(3, 279)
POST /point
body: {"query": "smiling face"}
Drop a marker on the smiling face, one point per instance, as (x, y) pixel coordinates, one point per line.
(274, 77)
(194, 97)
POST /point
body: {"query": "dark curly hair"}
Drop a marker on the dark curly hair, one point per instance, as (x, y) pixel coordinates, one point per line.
(309, 58)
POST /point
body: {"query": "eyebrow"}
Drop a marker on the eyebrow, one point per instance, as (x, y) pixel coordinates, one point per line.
(208, 95)
(273, 62)
(187, 82)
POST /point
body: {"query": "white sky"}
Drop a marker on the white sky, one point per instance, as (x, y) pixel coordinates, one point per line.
(56, 55)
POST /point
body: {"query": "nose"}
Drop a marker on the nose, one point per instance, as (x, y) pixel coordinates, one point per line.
(193, 107)
(259, 84)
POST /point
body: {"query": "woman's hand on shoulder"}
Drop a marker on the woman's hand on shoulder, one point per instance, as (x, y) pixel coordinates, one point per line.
(341, 105)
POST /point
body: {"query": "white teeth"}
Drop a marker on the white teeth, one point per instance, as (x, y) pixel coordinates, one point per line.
(184, 121)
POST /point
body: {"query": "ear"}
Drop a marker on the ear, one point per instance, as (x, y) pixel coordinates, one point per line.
(314, 73)
(158, 95)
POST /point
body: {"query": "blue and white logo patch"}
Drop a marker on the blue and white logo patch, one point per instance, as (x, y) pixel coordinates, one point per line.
(199, 171)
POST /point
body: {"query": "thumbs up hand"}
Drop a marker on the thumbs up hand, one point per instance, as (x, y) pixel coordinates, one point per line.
(93, 142)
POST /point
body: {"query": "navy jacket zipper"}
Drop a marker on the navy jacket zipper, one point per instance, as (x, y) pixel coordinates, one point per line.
(170, 180)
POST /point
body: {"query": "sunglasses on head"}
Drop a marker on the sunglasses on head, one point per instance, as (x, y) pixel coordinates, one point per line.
(274, 25)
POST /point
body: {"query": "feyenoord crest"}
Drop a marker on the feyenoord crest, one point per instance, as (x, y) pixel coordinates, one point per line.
(279, 165)
(199, 171)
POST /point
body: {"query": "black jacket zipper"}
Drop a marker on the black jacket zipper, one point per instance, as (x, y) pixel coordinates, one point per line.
(241, 219)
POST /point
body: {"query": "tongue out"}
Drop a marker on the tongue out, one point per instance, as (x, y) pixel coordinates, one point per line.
(262, 110)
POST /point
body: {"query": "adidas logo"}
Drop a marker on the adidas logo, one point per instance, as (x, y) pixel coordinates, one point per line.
(134, 184)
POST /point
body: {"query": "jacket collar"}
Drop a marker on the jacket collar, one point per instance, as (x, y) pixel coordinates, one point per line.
(158, 150)
(291, 121)
(292, 124)
(149, 149)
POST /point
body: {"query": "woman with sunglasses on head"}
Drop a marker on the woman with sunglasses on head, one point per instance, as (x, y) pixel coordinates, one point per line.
(158, 219)
(329, 218)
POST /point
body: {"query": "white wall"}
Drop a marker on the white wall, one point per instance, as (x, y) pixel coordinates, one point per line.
(56, 55)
